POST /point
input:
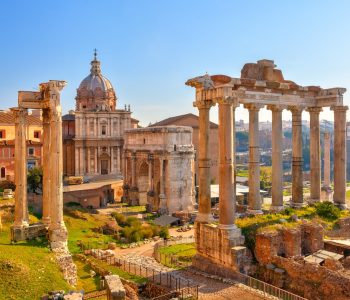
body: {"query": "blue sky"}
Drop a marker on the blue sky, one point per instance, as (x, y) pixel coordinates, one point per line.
(148, 49)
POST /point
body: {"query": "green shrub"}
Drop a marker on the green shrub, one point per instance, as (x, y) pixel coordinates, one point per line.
(164, 232)
(120, 218)
(327, 210)
(132, 221)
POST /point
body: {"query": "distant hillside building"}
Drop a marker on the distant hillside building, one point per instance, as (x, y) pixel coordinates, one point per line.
(192, 120)
(93, 134)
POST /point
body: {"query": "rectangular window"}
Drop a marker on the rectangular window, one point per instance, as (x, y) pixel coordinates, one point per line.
(31, 151)
(92, 127)
(2, 134)
(37, 134)
(103, 129)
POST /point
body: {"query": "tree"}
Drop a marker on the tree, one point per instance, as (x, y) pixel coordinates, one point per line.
(35, 179)
(265, 177)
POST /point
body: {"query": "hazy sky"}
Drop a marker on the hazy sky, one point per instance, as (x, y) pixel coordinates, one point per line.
(148, 49)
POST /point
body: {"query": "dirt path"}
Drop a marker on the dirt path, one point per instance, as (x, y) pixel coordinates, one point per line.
(147, 249)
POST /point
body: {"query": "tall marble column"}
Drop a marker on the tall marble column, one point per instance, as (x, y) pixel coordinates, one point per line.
(21, 205)
(297, 157)
(46, 166)
(150, 173)
(57, 229)
(95, 160)
(315, 154)
(277, 163)
(118, 160)
(327, 160)
(133, 170)
(340, 155)
(162, 198)
(227, 195)
(204, 198)
(112, 160)
(88, 160)
(254, 198)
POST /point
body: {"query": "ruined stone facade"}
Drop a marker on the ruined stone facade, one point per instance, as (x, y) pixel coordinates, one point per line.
(158, 168)
(260, 85)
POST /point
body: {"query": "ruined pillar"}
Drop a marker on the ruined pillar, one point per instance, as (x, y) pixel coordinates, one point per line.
(76, 164)
(254, 198)
(315, 154)
(150, 173)
(57, 229)
(204, 198)
(339, 155)
(327, 161)
(118, 159)
(227, 196)
(46, 167)
(21, 205)
(297, 157)
(277, 163)
(95, 160)
(134, 192)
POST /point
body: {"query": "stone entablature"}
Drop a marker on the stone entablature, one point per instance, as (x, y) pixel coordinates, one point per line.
(158, 168)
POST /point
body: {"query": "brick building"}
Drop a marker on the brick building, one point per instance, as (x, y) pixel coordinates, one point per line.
(7, 143)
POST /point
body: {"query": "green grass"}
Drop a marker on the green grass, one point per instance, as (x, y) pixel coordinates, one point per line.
(27, 270)
(85, 281)
(85, 230)
(348, 195)
(183, 253)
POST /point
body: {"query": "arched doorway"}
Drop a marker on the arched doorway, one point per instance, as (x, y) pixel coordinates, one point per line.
(142, 183)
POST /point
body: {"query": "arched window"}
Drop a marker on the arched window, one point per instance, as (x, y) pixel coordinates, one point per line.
(3, 172)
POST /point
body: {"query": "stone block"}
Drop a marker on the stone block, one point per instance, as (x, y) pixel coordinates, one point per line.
(292, 242)
(115, 288)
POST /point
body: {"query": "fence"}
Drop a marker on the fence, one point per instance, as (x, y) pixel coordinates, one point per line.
(266, 289)
(167, 279)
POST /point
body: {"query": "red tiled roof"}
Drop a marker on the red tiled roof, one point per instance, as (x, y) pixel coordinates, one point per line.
(6, 117)
(171, 120)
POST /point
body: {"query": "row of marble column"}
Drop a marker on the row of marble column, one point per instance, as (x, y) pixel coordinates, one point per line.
(226, 158)
(52, 169)
(83, 160)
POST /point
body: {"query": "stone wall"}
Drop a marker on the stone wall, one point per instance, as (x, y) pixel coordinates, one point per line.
(219, 251)
(342, 229)
(312, 281)
(288, 242)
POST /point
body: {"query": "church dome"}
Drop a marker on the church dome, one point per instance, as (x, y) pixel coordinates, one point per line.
(95, 92)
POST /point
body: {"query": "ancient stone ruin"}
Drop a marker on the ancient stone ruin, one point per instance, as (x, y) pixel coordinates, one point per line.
(260, 85)
(48, 100)
(158, 168)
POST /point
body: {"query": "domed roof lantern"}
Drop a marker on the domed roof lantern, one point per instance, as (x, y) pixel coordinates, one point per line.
(95, 92)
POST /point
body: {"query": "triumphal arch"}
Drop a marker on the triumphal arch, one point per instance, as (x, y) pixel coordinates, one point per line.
(260, 85)
(48, 100)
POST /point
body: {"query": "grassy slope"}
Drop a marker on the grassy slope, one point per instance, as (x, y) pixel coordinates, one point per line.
(27, 270)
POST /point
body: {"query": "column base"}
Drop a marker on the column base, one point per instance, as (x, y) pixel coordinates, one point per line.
(314, 200)
(46, 221)
(297, 205)
(204, 218)
(254, 211)
(276, 208)
(342, 206)
(58, 238)
(19, 232)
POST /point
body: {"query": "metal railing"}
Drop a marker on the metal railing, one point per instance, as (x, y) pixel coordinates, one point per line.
(163, 278)
(266, 288)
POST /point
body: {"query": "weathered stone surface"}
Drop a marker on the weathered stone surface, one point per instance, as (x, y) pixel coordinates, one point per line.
(115, 288)
(312, 237)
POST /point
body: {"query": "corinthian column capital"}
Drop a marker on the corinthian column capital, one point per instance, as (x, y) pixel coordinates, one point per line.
(314, 110)
(253, 106)
(204, 104)
(276, 108)
(339, 108)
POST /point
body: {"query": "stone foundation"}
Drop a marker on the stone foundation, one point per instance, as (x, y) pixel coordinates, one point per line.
(28, 232)
(58, 238)
(133, 196)
(115, 288)
(67, 266)
(219, 250)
